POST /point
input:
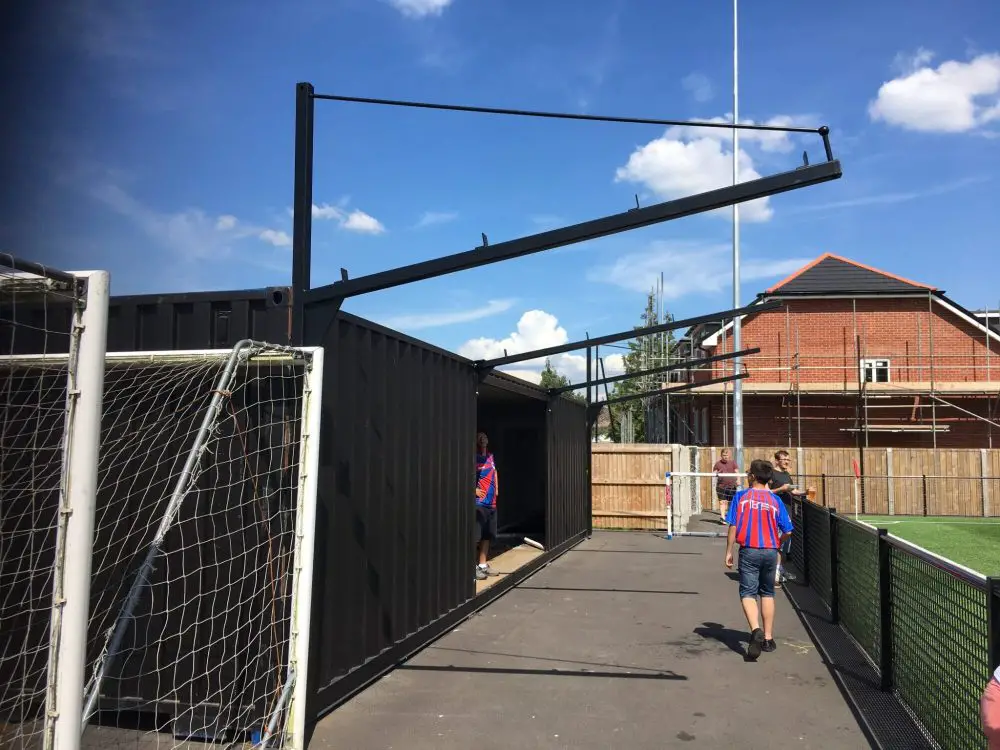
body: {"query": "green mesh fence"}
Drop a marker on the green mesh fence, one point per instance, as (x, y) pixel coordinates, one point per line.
(857, 584)
(938, 614)
(816, 523)
(939, 648)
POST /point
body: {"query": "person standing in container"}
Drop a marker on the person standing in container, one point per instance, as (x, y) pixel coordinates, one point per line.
(487, 490)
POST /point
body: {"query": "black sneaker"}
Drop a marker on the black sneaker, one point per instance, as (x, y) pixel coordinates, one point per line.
(756, 644)
(769, 645)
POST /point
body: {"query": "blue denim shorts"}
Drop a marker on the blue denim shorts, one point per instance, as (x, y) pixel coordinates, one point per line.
(757, 568)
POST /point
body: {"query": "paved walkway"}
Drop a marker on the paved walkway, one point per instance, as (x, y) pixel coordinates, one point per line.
(627, 641)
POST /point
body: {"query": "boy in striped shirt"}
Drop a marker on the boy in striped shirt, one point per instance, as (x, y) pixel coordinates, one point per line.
(759, 523)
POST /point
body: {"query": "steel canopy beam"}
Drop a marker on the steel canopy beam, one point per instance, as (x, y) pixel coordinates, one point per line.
(588, 230)
(654, 370)
(630, 334)
(665, 391)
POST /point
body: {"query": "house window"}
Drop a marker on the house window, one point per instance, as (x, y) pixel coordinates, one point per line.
(875, 370)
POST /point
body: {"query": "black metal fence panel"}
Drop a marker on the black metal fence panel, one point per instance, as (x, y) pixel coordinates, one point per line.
(568, 457)
(397, 472)
(940, 658)
(816, 545)
(931, 628)
(857, 584)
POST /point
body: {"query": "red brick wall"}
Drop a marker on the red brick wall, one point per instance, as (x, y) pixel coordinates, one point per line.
(773, 420)
(900, 329)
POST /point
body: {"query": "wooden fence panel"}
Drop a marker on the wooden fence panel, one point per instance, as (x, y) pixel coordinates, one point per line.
(628, 480)
(628, 483)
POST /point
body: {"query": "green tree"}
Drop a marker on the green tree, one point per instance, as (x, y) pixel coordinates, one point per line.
(552, 378)
(644, 353)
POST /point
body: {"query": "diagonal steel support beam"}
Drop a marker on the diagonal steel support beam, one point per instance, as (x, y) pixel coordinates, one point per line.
(630, 334)
(654, 370)
(588, 230)
(597, 406)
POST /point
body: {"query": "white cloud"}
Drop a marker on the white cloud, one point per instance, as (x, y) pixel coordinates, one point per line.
(418, 321)
(954, 97)
(420, 8)
(537, 329)
(353, 221)
(699, 86)
(276, 237)
(432, 218)
(685, 161)
(191, 234)
(688, 268)
(359, 221)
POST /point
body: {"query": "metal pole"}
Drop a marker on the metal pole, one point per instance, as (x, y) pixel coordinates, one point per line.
(788, 349)
(71, 605)
(737, 337)
(305, 553)
(930, 344)
(302, 203)
(798, 388)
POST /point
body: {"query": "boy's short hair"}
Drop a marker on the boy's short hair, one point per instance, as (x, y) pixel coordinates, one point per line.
(762, 470)
(779, 454)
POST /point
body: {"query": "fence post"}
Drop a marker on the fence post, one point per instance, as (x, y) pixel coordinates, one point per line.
(983, 464)
(993, 620)
(885, 611)
(834, 582)
(805, 546)
(923, 478)
(890, 488)
(822, 485)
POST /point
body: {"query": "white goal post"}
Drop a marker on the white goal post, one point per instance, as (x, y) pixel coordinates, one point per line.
(49, 438)
(687, 492)
(202, 547)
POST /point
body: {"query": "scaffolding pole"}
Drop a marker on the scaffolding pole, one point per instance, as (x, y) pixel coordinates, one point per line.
(798, 390)
(930, 344)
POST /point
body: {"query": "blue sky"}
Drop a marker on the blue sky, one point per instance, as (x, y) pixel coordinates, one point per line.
(162, 150)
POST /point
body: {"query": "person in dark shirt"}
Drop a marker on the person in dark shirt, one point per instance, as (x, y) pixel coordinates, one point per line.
(725, 487)
(783, 485)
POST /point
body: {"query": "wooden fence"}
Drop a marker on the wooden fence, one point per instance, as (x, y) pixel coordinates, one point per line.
(628, 480)
(628, 485)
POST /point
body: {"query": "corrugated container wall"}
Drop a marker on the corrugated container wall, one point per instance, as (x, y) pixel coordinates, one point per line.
(395, 526)
(568, 486)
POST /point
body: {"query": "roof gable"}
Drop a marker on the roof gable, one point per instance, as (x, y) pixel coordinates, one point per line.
(831, 274)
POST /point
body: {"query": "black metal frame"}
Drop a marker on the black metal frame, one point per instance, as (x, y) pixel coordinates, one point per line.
(303, 292)
(632, 333)
(683, 365)
(595, 408)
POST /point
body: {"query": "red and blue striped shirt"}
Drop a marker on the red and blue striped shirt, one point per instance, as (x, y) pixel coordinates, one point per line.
(759, 517)
(486, 480)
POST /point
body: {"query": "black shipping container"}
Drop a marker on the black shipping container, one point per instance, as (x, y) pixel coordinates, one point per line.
(395, 517)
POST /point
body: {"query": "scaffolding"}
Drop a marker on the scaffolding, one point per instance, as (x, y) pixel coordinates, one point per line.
(875, 381)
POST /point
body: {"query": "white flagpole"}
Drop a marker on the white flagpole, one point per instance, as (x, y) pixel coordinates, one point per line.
(737, 328)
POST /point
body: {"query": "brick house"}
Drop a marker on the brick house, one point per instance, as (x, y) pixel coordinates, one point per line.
(857, 356)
